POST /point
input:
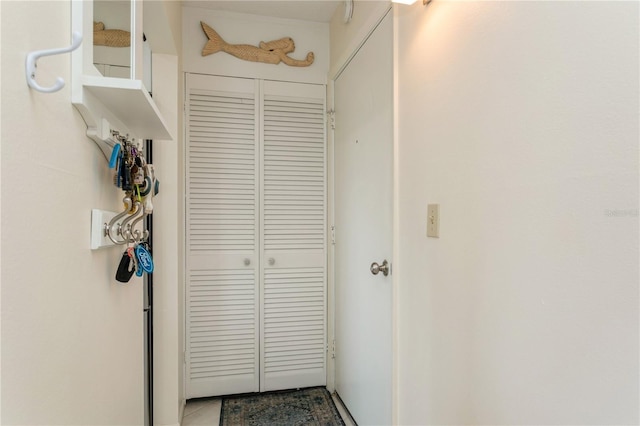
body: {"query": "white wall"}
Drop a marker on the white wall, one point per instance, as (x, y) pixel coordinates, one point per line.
(168, 89)
(346, 38)
(163, 25)
(168, 342)
(521, 119)
(72, 336)
(236, 28)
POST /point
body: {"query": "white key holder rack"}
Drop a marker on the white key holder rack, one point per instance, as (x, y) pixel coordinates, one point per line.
(137, 179)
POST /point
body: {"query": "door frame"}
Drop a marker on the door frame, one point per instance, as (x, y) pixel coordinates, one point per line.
(358, 41)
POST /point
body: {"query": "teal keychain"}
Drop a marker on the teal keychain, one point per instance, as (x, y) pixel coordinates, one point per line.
(115, 155)
(145, 261)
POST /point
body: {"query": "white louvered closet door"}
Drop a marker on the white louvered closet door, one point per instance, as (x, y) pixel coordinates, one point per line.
(293, 199)
(256, 255)
(222, 291)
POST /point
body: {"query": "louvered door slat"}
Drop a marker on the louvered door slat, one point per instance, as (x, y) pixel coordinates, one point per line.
(221, 155)
(294, 328)
(222, 329)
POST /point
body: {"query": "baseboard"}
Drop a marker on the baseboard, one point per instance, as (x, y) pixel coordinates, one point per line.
(181, 411)
(343, 410)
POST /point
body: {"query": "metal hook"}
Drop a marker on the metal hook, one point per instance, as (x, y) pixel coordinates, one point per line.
(126, 228)
(148, 209)
(109, 227)
(31, 64)
(139, 236)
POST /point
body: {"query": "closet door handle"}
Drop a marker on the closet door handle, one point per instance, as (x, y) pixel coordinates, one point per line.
(272, 261)
(247, 261)
(384, 268)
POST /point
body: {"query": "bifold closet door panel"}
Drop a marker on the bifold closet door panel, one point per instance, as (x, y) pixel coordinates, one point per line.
(293, 199)
(222, 219)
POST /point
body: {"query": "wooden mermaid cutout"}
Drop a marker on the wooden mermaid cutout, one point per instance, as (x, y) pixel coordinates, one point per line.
(272, 52)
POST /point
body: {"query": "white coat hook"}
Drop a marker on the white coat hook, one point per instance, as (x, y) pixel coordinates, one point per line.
(31, 64)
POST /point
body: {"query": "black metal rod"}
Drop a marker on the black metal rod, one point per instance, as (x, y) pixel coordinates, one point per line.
(149, 289)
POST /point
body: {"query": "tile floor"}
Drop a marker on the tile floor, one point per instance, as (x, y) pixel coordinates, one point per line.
(202, 412)
(206, 412)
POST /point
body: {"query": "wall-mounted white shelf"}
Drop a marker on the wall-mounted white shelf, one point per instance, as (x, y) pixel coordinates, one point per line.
(130, 103)
(109, 103)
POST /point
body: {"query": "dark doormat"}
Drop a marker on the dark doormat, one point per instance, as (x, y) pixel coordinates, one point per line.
(310, 406)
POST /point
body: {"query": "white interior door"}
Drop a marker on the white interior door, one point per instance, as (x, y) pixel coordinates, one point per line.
(363, 103)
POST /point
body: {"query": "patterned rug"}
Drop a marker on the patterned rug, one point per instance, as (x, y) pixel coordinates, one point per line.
(311, 406)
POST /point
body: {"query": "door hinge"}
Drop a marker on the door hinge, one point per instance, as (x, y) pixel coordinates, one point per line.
(184, 357)
(333, 235)
(333, 349)
(332, 118)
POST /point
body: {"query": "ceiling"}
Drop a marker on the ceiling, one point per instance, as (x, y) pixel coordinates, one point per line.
(306, 10)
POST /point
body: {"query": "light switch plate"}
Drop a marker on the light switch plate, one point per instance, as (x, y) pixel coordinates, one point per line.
(433, 220)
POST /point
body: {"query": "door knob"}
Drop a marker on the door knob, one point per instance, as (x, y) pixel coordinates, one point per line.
(272, 261)
(384, 268)
(247, 261)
